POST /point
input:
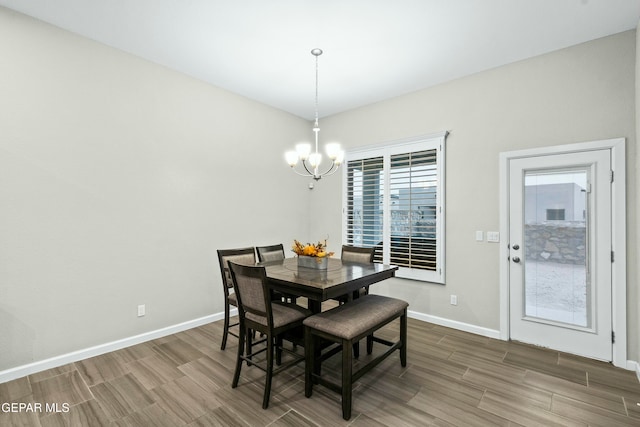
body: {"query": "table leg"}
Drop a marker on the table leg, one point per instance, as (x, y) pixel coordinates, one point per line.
(314, 306)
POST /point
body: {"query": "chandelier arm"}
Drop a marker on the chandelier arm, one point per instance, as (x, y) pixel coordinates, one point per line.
(330, 171)
(293, 168)
(334, 167)
(304, 163)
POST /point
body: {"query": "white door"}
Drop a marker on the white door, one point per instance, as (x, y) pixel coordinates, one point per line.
(560, 252)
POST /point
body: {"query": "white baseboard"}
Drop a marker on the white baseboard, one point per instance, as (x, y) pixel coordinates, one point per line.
(466, 327)
(54, 362)
(490, 333)
(634, 366)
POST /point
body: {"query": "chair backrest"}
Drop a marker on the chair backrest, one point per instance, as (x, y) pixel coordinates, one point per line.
(250, 284)
(270, 253)
(245, 256)
(356, 254)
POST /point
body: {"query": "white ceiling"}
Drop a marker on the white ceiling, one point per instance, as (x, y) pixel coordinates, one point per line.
(373, 49)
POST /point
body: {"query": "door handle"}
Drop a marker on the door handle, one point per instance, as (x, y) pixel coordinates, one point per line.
(516, 247)
(516, 259)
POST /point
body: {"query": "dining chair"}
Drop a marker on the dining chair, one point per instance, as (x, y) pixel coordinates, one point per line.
(357, 255)
(274, 253)
(275, 319)
(270, 253)
(241, 256)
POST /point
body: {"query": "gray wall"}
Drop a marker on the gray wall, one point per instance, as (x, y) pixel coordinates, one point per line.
(119, 179)
(582, 93)
(634, 238)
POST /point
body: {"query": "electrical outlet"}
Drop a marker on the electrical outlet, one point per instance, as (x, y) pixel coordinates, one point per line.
(141, 310)
(454, 300)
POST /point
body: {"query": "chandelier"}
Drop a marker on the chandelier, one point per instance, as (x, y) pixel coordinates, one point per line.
(310, 161)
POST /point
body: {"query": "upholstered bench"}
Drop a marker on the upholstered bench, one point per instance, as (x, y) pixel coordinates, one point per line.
(345, 325)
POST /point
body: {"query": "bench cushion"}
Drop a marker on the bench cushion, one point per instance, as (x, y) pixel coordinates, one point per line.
(349, 320)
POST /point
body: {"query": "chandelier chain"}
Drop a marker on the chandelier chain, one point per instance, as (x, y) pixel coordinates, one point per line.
(317, 89)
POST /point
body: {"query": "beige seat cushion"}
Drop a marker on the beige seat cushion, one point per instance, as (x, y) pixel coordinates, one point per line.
(354, 318)
(283, 314)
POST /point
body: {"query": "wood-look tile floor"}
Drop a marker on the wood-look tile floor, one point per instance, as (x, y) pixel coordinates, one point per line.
(452, 378)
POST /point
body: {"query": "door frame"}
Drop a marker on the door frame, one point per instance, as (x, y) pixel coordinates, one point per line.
(618, 235)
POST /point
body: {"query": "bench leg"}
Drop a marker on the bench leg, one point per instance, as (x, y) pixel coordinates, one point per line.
(347, 379)
(369, 344)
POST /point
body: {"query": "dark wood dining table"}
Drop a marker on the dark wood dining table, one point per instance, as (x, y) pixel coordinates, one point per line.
(340, 278)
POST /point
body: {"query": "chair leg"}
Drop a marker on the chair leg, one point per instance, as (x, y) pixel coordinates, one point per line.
(278, 350)
(267, 382)
(309, 349)
(347, 384)
(403, 337)
(241, 339)
(250, 335)
(225, 329)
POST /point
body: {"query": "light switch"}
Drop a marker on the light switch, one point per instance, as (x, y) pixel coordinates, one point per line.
(493, 236)
(479, 236)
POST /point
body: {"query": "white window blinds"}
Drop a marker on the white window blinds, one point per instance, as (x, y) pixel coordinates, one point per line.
(394, 201)
(365, 190)
(413, 185)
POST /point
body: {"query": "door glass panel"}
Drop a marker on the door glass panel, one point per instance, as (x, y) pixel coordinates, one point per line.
(555, 250)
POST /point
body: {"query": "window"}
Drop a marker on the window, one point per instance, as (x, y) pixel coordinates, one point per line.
(555, 214)
(394, 202)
